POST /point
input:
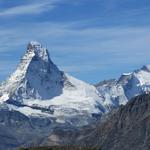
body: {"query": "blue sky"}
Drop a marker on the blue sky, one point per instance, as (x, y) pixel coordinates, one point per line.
(92, 40)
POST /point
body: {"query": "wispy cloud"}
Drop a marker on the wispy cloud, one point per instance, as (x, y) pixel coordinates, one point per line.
(32, 8)
(84, 50)
(35, 7)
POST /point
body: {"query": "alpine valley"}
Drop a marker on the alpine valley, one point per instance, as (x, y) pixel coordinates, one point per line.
(41, 105)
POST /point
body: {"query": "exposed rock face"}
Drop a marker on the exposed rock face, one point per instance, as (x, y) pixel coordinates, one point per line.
(128, 128)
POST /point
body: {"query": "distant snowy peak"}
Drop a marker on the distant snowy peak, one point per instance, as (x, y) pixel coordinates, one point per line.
(137, 82)
(126, 87)
(146, 68)
(113, 94)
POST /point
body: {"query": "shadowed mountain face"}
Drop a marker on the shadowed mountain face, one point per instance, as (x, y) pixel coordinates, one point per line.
(128, 128)
(43, 78)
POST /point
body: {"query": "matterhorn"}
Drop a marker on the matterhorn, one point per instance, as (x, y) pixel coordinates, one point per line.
(39, 89)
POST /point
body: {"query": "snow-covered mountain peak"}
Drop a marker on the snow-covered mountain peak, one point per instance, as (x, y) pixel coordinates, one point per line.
(39, 88)
(126, 87)
(34, 44)
(39, 51)
(36, 76)
(146, 68)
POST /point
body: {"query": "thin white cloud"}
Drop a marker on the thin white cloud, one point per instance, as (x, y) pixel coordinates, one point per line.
(35, 7)
(62, 37)
(32, 8)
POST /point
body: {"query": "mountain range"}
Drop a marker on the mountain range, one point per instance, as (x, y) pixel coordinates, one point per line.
(38, 100)
(125, 128)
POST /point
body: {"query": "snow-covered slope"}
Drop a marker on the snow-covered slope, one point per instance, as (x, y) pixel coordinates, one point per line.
(113, 93)
(129, 85)
(39, 88)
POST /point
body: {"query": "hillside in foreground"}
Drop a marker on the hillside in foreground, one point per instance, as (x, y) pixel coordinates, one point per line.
(59, 148)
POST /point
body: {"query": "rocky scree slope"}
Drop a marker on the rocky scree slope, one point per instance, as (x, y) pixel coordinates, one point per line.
(126, 128)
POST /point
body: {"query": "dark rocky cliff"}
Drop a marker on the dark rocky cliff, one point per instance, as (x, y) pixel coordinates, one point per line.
(126, 129)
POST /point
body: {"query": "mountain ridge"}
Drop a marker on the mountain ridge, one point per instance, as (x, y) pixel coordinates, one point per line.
(39, 99)
(119, 91)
